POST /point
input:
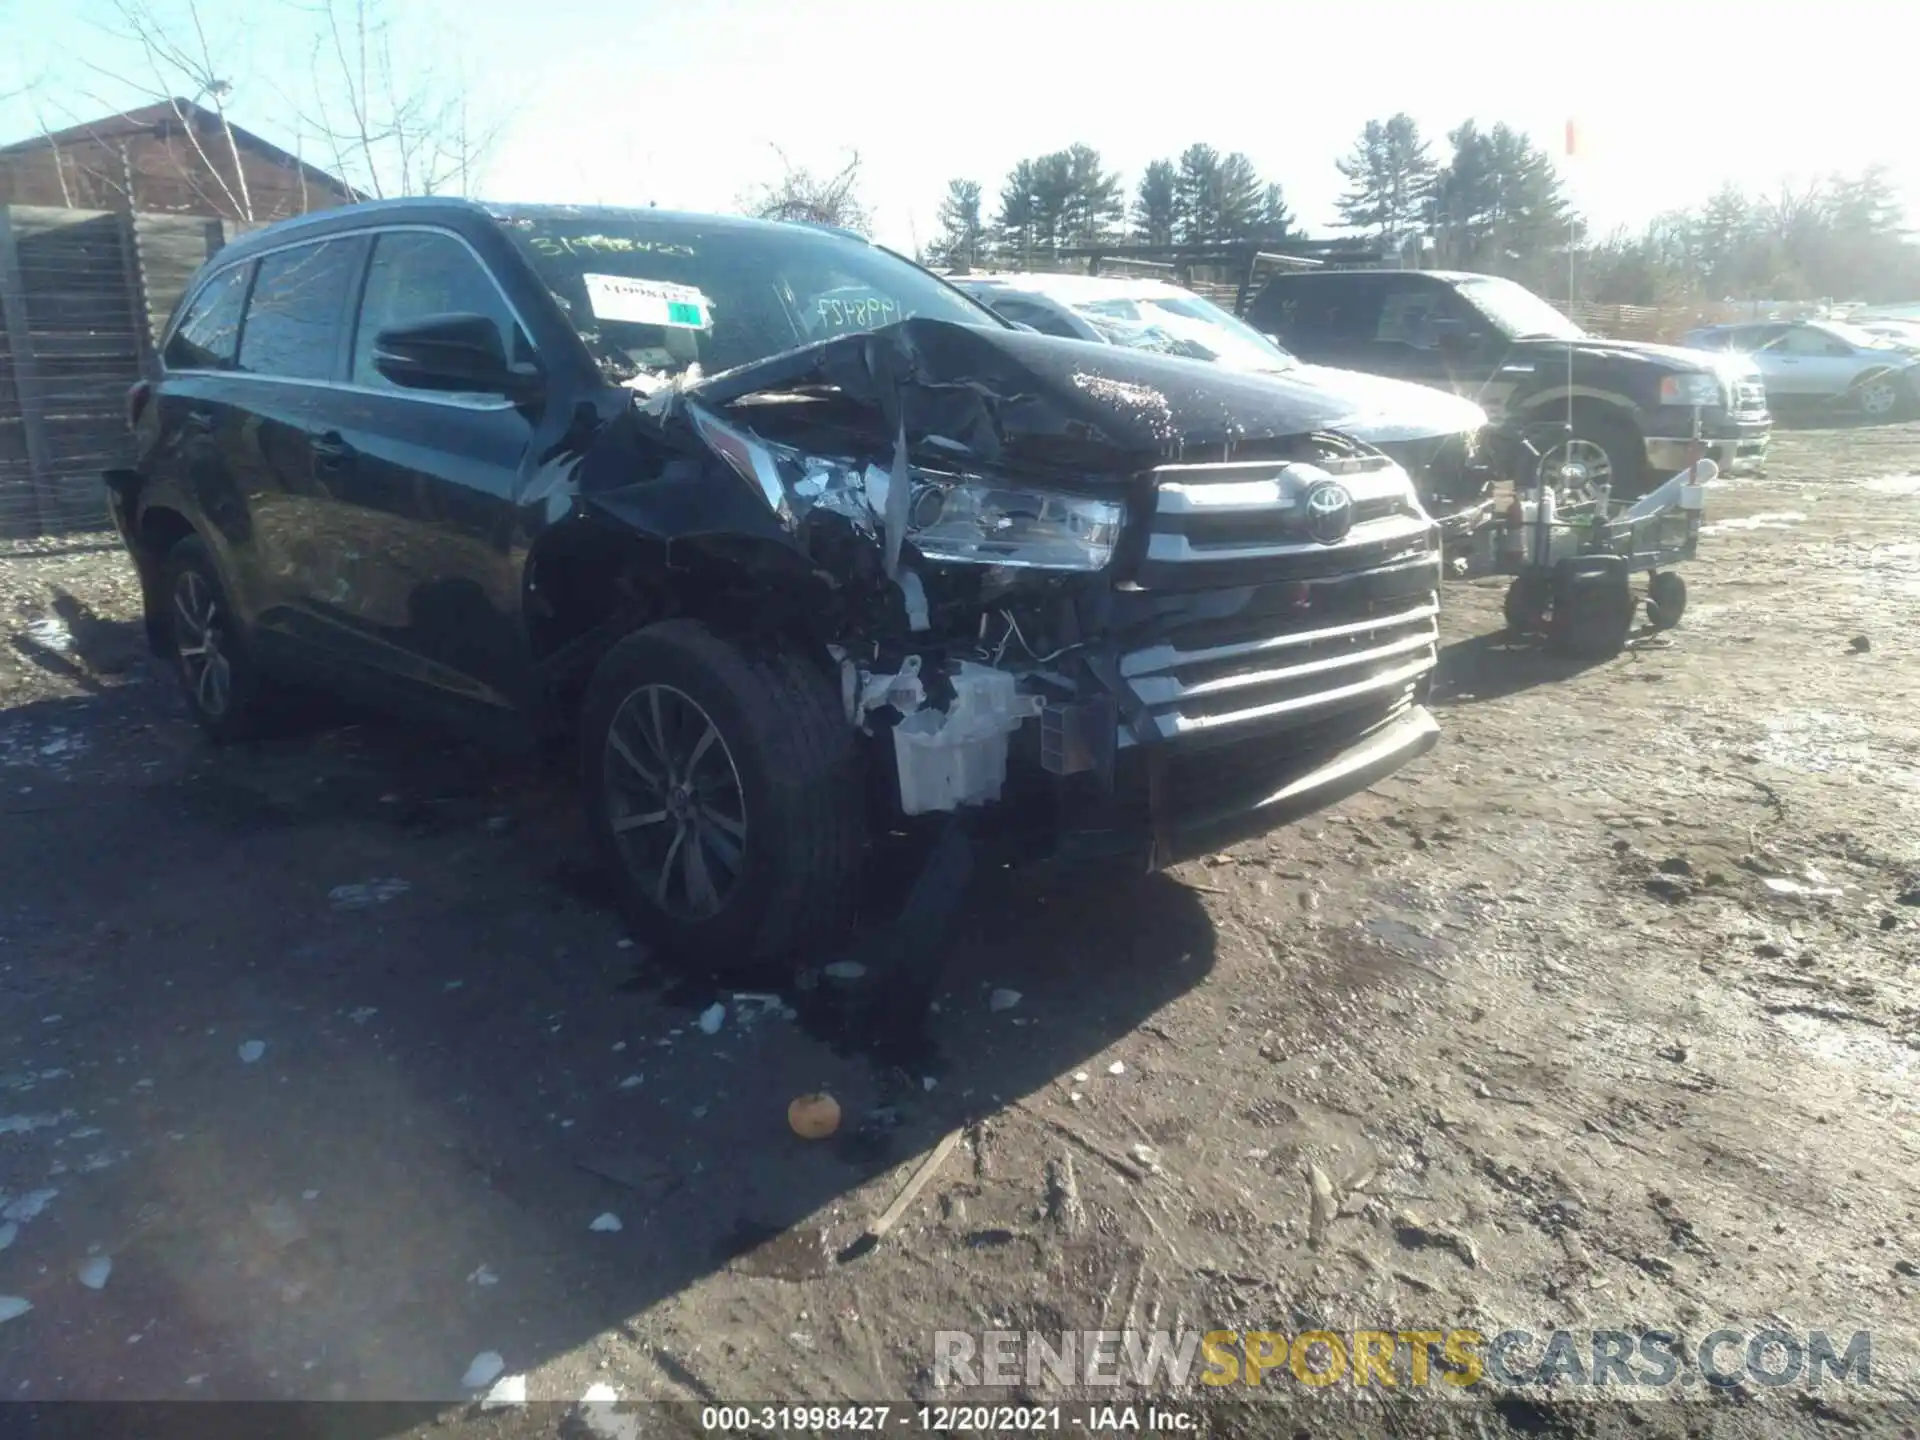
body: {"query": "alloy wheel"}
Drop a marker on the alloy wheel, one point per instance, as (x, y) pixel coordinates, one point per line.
(1878, 398)
(675, 803)
(198, 635)
(1575, 468)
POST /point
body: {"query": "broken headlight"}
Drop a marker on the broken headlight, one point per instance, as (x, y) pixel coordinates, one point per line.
(960, 519)
(979, 522)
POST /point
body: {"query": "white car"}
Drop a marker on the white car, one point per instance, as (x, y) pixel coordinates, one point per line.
(1435, 436)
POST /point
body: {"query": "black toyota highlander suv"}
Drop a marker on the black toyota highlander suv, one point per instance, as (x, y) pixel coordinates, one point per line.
(1630, 404)
(792, 539)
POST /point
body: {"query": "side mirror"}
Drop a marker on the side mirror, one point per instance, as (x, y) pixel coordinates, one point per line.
(452, 352)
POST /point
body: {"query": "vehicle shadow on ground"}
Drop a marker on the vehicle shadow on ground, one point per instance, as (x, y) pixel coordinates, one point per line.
(78, 645)
(1497, 664)
(461, 1070)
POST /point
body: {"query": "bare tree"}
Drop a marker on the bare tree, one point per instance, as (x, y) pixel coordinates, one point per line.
(391, 123)
(800, 194)
(177, 69)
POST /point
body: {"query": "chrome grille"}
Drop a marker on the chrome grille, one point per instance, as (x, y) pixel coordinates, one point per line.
(1749, 399)
(1285, 630)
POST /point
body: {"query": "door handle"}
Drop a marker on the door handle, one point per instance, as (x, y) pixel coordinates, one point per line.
(331, 450)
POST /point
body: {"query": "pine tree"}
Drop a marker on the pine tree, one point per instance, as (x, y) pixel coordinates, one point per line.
(1498, 205)
(1276, 220)
(1391, 178)
(1154, 204)
(1016, 219)
(1196, 196)
(961, 236)
(1094, 206)
(1240, 195)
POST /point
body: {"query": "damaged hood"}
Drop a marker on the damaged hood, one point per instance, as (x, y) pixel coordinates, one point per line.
(1010, 396)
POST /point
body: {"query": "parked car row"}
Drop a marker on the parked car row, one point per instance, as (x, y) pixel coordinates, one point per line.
(1437, 437)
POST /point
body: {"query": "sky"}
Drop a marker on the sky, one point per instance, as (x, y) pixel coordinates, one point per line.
(682, 105)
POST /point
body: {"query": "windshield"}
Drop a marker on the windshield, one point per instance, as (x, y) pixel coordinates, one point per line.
(1183, 325)
(1516, 311)
(1856, 337)
(660, 299)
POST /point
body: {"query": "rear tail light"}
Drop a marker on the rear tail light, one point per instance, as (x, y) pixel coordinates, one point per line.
(137, 396)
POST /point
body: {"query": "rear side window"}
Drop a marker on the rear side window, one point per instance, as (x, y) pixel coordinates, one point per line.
(417, 273)
(298, 306)
(207, 337)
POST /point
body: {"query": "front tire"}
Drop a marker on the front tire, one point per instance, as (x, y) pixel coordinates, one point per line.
(723, 791)
(1600, 449)
(221, 683)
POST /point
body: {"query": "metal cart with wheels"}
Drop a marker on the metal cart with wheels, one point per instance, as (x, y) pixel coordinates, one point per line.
(1573, 567)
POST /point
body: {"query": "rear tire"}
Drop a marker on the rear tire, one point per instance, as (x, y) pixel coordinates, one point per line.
(218, 676)
(724, 794)
(1883, 398)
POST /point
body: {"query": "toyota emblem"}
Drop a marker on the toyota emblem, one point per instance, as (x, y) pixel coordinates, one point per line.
(1329, 512)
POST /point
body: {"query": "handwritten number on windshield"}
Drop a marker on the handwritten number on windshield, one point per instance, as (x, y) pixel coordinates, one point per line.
(863, 314)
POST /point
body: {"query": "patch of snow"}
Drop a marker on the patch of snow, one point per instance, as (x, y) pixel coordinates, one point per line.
(1894, 484)
(94, 1270)
(483, 1277)
(252, 1050)
(29, 1206)
(1003, 999)
(712, 1018)
(1766, 520)
(485, 1368)
(21, 1124)
(510, 1390)
(12, 1307)
(606, 1223)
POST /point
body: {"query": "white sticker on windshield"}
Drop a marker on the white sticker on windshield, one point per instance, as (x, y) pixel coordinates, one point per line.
(648, 302)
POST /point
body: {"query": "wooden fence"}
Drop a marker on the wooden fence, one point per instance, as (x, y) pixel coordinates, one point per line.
(83, 297)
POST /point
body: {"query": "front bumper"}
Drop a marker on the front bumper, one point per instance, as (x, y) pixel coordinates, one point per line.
(1734, 440)
(1170, 806)
(1256, 675)
(1668, 456)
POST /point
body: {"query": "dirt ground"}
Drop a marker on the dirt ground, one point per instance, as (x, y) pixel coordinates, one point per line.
(1531, 1006)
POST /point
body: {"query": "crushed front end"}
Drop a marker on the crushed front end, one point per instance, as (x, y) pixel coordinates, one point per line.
(1106, 605)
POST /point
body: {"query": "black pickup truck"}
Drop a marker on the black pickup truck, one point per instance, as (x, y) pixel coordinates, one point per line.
(1630, 404)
